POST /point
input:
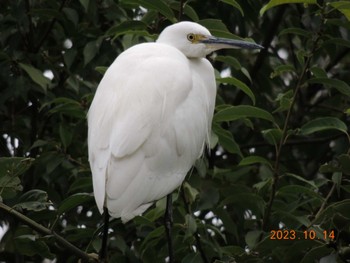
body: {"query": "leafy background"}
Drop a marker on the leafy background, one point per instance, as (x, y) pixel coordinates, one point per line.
(280, 157)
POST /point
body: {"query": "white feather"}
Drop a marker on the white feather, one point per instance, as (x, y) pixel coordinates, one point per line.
(148, 123)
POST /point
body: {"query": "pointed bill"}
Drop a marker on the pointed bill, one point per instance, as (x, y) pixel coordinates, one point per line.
(219, 43)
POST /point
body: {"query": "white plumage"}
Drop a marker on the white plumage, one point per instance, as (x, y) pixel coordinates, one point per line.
(151, 117)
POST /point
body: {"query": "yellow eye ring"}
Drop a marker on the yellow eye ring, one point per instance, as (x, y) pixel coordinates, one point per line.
(191, 37)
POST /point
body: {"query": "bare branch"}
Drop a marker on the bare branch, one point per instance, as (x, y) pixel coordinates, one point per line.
(43, 230)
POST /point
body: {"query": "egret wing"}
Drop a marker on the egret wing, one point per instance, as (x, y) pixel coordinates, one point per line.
(137, 93)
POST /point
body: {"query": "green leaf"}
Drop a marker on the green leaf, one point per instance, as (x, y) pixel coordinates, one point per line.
(330, 167)
(101, 69)
(347, 111)
(233, 250)
(301, 179)
(45, 13)
(10, 169)
(287, 216)
(158, 211)
(316, 253)
(344, 161)
(154, 235)
(85, 4)
(190, 12)
(209, 197)
(337, 178)
(30, 246)
(253, 237)
(33, 200)
(281, 69)
(343, 7)
(239, 84)
(342, 207)
(340, 165)
(127, 27)
(14, 166)
(229, 60)
(339, 85)
(234, 4)
(36, 75)
(190, 192)
(301, 55)
(217, 28)
(38, 143)
(318, 72)
(187, 10)
(226, 140)
(66, 106)
(253, 160)
(242, 111)
(73, 201)
(295, 31)
(272, 136)
(285, 100)
(337, 42)
(297, 190)
(191, 225)
(72, 15)
(322, 124)
(157, 5)
(83, 184)
(9, 186)
(66, 134)
(274, 3)
(90, 50)
(193, 257)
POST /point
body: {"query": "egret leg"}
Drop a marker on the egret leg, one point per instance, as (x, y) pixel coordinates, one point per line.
(168, 222)
(103, 251)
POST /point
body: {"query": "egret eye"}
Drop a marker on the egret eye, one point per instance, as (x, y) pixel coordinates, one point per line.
(191, 37)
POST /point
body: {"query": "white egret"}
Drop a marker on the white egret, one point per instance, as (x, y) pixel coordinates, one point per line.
(151, 118)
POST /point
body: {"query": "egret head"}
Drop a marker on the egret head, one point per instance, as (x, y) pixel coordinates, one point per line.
(195, 40)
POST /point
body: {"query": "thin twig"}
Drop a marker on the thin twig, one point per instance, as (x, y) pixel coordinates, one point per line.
(323, 204)
(30, 33)
(284, 136)
(181, 10)
(46, 34)
(262, 55)
(40, 228)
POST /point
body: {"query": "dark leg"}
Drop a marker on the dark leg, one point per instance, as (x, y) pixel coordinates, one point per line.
(168, 222)
(103, 251)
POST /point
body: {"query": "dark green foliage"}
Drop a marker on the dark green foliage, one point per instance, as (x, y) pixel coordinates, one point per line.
(280, 156)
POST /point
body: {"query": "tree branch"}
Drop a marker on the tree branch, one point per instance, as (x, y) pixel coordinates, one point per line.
(284, 135)
(279, 15)
(46, 34)
(323, 205)
(43, 230)
(275, 22)
(181, 10)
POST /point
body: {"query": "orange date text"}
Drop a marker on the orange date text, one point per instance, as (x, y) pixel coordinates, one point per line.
(289, 234)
